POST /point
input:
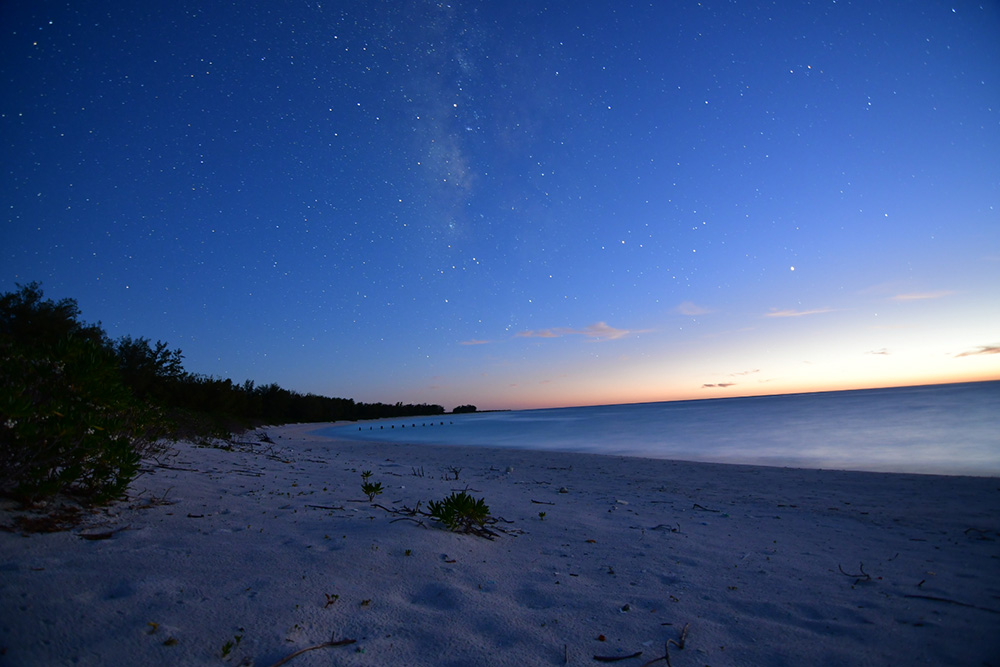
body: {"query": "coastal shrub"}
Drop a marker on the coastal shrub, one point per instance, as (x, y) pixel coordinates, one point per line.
(68, 423)
(150, 371)
(461, 513)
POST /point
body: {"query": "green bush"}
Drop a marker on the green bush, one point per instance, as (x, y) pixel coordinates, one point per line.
(461, 513)
(68, 424)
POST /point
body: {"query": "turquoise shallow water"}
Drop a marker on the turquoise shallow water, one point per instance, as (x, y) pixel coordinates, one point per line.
(943, 429)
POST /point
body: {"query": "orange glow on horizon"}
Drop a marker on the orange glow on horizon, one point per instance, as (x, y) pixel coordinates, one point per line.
(539, 401)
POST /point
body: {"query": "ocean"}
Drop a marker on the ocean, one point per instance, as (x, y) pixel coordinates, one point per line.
(951, 429)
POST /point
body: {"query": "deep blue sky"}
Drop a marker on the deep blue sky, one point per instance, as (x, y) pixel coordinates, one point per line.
(515, 204)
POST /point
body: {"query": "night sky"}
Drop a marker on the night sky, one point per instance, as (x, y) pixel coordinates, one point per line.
(515, 204)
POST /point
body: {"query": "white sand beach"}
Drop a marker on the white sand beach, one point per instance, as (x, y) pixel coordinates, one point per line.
(245, 557)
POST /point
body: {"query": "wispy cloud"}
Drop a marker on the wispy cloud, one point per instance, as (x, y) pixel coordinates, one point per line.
(982, 349)
(882, 351)
(474, 342)
(692, 309)
(597, 331)
(723, 385)
(603, 331)
(922, 296)
(538, 333)
(797, 313)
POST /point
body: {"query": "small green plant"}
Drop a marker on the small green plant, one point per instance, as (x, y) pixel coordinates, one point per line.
(541, 516)
(366, 474)
(228, 647)
(371, 490)
(461, 513)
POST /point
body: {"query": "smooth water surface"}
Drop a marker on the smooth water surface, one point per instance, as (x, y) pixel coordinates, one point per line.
(945, 429)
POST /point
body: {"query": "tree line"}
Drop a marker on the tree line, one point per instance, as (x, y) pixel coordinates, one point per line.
(78, 408)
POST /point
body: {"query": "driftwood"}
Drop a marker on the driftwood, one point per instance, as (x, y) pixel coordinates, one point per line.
(679, 643)
(863, 576)
(616, 658)
(329, 644)
(954, 602)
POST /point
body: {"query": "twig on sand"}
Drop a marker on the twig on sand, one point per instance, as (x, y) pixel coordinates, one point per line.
(864, 576)
(331, 644)
(616, 658)
(153, 500)
(411, 519)
(407, 511)
(672, 529)
(949, 601)
(684, 634)
(541, 502)
(326, 507)
(666, 647)
(981, 534)
(177, 468)
(703, 508)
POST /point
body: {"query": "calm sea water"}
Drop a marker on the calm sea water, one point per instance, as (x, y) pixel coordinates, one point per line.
(945, 429)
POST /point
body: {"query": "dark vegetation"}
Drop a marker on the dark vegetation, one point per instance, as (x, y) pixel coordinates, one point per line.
(464, 409)
(461, 513)
(78, 409)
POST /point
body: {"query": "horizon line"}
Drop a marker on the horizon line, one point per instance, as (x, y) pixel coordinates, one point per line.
(755, 395)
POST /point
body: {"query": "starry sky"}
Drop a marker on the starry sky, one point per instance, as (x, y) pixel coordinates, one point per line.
(515, 204)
